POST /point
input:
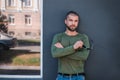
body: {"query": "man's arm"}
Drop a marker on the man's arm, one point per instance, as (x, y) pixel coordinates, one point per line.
(58, 50)
(83, 53)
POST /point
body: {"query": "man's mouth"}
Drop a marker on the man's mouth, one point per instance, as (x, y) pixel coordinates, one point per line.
(72, 26)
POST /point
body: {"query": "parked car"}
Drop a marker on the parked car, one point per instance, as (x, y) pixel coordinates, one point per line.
(7, 41)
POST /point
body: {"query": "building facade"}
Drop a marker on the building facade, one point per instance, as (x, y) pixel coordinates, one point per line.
(24, 18)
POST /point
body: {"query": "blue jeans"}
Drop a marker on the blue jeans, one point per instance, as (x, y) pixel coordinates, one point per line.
(79, 77)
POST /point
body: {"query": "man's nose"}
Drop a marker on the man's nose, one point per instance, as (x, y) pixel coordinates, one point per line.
(73, 22)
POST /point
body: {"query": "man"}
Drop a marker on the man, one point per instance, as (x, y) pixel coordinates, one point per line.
(69, 48)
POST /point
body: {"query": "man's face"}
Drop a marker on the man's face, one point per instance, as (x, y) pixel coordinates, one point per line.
(72, 22)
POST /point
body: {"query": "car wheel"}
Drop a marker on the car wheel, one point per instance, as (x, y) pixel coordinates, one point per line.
(1, 47)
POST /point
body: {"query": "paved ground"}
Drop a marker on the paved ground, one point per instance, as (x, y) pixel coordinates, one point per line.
(19, 67)
(30, 48)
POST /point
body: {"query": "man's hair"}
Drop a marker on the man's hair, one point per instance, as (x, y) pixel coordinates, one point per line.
(72, 12)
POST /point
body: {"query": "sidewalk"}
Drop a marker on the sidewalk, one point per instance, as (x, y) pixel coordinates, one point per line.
(20, 67)
(30, 48)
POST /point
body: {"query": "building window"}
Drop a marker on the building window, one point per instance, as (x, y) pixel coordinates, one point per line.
(11, 2)
(27, 33)
(28, 20)
(27, 3)
(11, 19)
(12, 33)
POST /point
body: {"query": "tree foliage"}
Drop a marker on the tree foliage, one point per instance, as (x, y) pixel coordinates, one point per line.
(3, 23)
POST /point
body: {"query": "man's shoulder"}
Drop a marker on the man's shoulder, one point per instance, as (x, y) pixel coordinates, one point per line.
(83, 35)
(59, 34)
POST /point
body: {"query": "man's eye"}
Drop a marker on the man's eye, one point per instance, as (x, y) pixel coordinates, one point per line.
(70, 20)
(76, 20)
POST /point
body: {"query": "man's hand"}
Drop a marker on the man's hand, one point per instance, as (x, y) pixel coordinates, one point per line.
(59, 45)
(78, 44)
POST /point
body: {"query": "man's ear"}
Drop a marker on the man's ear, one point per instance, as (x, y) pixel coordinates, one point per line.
(65, 21)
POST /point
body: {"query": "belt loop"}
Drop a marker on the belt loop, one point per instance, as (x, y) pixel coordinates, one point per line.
(77, 74)
(70, 77)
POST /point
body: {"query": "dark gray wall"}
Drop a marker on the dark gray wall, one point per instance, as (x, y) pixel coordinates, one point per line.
(100, 20)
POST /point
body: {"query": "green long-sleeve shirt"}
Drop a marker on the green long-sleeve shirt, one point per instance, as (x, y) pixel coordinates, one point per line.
(70, 61)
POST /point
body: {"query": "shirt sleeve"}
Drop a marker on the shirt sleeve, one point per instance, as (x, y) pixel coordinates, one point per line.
(60, 52)
(81, 54)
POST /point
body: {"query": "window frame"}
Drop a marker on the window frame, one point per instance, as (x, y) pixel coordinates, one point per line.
(11, 19)
(28, 20)
(11, 3)
(27, 3)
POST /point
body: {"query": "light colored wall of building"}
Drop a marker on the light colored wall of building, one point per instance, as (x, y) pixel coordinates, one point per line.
(19, 11)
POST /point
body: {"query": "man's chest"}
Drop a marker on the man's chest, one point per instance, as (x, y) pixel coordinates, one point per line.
(68, 41)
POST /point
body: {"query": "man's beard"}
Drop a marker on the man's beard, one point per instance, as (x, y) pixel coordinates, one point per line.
(70, 29)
